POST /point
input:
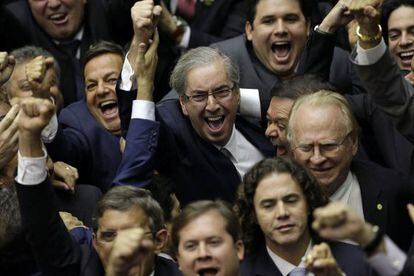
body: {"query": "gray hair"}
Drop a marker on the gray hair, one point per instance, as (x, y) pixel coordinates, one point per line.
(125, 198)
(200, 57)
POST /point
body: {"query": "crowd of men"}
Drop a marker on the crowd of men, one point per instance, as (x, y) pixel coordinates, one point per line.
(211, 137)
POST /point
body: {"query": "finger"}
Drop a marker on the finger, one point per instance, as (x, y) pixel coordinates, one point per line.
(411, 211)
(152, 50)
(156, 15)
(60, 185)
(3, 60)
(9, 118)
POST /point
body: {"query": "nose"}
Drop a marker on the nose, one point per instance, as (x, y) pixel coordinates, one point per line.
(212, 104)
(203, 250)
(317, 158)
(406, 39)
(282, 212)
(280, 27)
(102, 89)
(53, 3)
(271, 130)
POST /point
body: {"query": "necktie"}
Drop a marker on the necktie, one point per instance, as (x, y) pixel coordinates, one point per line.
(298, 271)
(70, 48)
(227, 153)
(186, 8)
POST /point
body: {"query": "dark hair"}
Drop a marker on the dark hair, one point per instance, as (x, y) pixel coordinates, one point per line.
(100, 48)
(300, 85)
(198, 208)
(125, 198)
(309, 9)
(252, 234)
(162, 188)
(388, 7)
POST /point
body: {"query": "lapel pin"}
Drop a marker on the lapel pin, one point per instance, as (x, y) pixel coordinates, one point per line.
(207, 3)
(379, 206)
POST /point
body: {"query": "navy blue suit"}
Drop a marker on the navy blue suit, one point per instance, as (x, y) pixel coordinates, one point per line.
(198, 169)
(83, 143)
(55, 251)
(349, 258)
(385, 195)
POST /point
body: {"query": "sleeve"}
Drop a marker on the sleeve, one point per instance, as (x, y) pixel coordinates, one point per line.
(389, 263)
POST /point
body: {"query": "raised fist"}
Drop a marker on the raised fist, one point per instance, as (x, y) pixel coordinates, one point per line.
(35, 114)
(321, 261)
(6, 67)
(39, 73)
(144, 16)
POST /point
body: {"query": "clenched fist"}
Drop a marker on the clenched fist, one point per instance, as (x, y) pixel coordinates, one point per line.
(39, 73)
(35, 114)
(7, 63)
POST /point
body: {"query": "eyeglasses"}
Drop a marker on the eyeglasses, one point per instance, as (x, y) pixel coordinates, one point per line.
(109, 236)
(328, 149)
(200, 97)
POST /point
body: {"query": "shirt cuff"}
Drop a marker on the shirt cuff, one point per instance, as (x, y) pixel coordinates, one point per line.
(127, 76)
(186, 38)
(391, 262)
(31, 170)
(370, 56)
(49, 132)
(143, 110)
(250, 103)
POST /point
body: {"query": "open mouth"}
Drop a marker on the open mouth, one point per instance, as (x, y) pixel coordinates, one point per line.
(208, 271)
(59, 18)
(281, 150)
(215, 122)
(281, 49)
(109, 108)
(406, 57)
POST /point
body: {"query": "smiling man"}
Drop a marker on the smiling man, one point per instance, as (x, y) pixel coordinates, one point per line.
(88, 136)
(207, 239)
(65, 28)
(274, 205)
(202, 145)
(323, 135)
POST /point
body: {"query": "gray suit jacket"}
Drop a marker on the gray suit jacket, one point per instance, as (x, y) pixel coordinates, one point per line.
(390, 91)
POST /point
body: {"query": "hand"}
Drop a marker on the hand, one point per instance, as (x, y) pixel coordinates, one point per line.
(39, 72)
(321, 262)
(145, 69)
(144, 19)
(65, 176)
(6, 67)
(166, 23)
(367, 13)
(129, 249)
(35, 114)
(337, 221)
(70, 221)
(339, 16)
(9, 136)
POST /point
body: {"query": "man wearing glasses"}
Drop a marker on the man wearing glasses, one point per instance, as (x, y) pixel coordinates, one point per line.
(202, 145)
(323, 136)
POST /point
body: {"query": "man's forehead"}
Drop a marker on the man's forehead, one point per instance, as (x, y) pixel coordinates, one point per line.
(120, 219)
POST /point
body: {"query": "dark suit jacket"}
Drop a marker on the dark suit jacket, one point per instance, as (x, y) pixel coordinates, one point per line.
(19, 28)
(409, 264)
(349, 258)
(83, 143)
(253, 74)
(385, 195)
(198, 169)
(55, 251)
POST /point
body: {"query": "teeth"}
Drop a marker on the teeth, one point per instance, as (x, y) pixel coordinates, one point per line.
(56, 16)
(281, 43)
(213, 119)
(407, 54)
(101, 105)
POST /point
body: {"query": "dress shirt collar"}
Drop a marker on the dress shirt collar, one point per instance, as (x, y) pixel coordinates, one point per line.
(231, 145)
(284, 266)
(78, 36)
(344, 191)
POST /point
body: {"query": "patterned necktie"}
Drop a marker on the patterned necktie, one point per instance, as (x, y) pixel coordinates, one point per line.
(298, 271)
(186, 8)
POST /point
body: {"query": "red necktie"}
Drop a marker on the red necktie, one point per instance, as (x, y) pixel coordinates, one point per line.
(186, 8)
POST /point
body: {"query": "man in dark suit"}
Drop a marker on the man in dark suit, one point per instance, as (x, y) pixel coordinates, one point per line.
(88, 133)
(274, 203)
(128, 223)
(323, 136)
(64, 28)
(202, 145)
(206, 237)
